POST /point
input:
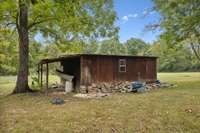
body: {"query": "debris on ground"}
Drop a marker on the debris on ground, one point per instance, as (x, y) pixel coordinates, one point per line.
(138, 86)
(101, 89)
(57, 101)
(56, 87)
(189, 110)
(123, 87)
(92, 95)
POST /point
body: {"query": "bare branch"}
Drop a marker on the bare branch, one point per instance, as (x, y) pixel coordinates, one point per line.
(195, 51)
(198, 49)
(152, 26)
(10, 23)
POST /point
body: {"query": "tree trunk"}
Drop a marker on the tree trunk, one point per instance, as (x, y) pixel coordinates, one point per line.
(22, 77)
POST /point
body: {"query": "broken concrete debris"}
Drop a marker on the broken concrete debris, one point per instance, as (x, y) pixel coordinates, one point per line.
(106, 89)
(115, 87)
(123, 87)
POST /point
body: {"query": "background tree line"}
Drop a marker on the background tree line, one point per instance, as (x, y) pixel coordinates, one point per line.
(172, 58)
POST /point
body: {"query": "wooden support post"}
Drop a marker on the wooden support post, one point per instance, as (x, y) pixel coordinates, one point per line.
(38, 72)
(47, 76)
(41, 75)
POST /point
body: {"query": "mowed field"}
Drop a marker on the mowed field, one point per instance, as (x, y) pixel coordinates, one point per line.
(170, 110)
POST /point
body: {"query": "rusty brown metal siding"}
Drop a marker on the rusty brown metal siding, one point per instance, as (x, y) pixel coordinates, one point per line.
(151, 69)
(106, 69)
(136, 70)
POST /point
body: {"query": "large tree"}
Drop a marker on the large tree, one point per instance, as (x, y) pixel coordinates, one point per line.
(135, 46)
(180, 22)
(111, 47)
(55, 20)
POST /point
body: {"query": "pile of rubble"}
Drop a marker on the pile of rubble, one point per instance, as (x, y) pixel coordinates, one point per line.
(123, 87)
(106, 87)
(115, 87)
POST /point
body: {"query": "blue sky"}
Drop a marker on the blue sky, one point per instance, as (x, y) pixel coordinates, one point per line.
(133, 16)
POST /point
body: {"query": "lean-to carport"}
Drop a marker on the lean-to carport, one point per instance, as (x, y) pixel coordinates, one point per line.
(43, 65)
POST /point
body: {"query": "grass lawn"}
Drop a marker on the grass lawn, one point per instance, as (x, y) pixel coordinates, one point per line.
(171, 110)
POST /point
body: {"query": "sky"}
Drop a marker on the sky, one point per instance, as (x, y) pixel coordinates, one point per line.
(133, 16)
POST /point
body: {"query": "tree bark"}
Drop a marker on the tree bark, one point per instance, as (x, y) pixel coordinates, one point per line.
(22, 77)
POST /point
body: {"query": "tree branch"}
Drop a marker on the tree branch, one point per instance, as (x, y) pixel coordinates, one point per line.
(39, 22)
(17, 21)
(152, 26)
(33, 1)
(195, 52)
(11, 23)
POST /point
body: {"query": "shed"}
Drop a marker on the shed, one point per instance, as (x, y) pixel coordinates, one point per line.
(93, 68)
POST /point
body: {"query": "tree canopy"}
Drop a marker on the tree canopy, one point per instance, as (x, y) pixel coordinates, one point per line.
(62, 20)
(180, 22)
(135, 46)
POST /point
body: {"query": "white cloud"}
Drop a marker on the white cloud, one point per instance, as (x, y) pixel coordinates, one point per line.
(133, 15)
(125, 18)
(145, 12)
(152, 12)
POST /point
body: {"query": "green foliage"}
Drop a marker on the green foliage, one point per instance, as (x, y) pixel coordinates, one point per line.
(56, 18)
(180, 22)
(174, 57)
(36, 53)
(34, 82)
(111, 47)
(76, 19)
(171, 57)
(8, 52)
(91, 48)
(136, 46)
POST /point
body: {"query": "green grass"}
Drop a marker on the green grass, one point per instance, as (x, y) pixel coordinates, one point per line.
(7, 83)
(179, 77)
(159, 111)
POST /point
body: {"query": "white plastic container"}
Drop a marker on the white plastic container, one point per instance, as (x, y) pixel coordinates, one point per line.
(68, 86)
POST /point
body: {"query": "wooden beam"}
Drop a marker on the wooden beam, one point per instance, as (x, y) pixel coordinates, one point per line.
(41, 75)
(47, 76)
(38, 72)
